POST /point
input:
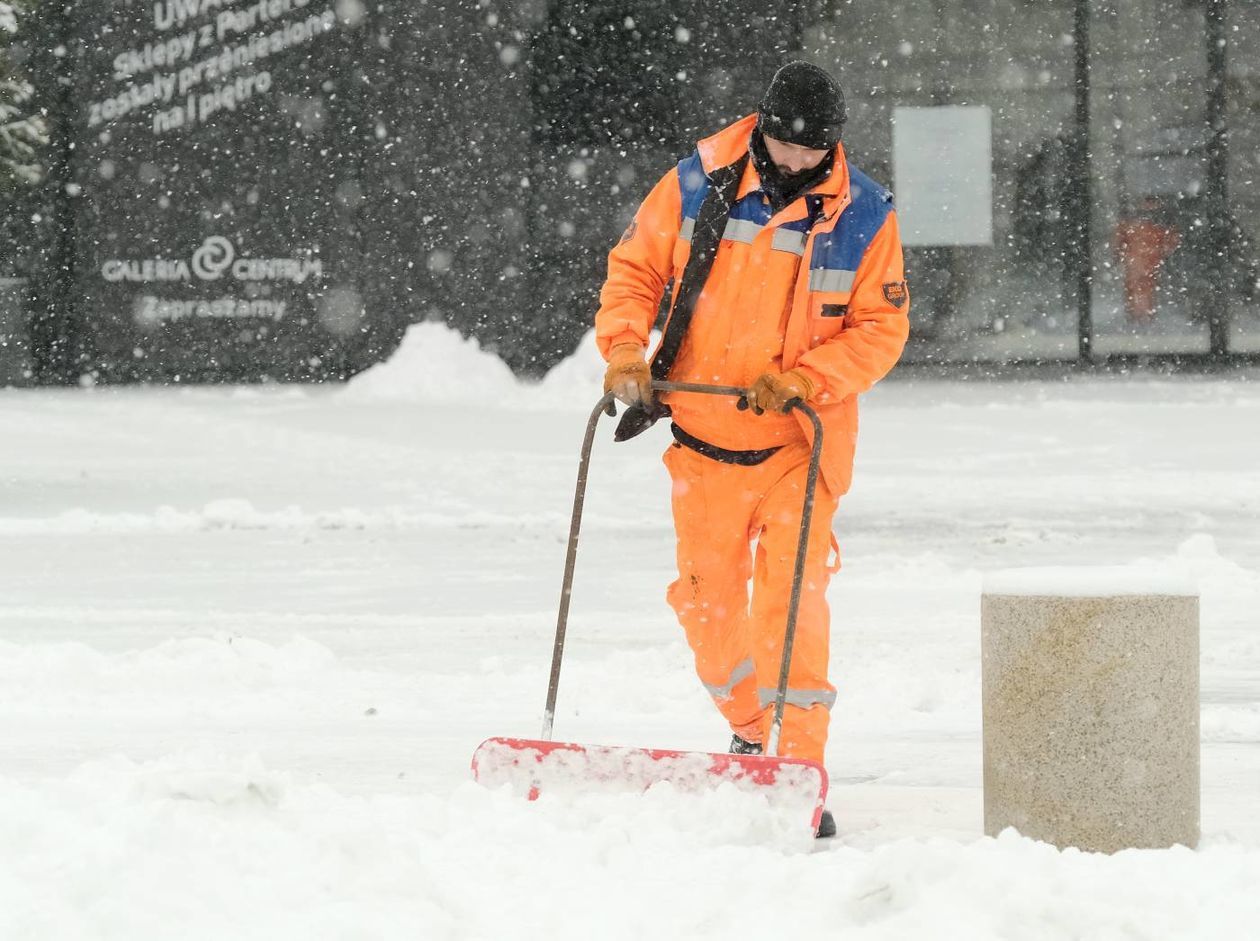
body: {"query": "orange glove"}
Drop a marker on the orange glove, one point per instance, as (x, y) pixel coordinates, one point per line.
(778, 392)
(628, 376)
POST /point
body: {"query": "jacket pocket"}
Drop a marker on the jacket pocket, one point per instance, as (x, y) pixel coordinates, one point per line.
(828, 315)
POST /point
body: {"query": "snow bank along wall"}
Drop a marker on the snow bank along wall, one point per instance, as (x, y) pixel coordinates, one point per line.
(277, 187)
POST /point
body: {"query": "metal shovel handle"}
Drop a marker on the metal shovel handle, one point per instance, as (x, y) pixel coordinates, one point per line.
(607, 406)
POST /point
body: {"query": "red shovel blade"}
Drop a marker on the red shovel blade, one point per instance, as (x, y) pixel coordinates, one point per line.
(531, 767)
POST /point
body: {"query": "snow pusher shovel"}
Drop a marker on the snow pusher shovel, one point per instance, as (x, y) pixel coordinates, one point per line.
(534, 766)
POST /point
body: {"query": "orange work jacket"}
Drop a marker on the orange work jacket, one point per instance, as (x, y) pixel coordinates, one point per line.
(818, 286)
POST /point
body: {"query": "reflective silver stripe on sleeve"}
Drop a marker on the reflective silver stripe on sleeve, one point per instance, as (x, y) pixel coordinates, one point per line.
(741, 672)
(687, 229)
(789, 240)
(831, 279)
(801, 698)
(741, 230)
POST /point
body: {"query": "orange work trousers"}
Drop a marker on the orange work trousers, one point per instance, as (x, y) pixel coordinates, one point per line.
(720, 510)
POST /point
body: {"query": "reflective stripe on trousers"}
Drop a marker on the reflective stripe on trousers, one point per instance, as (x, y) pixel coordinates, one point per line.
(722, 693)
(801, 698)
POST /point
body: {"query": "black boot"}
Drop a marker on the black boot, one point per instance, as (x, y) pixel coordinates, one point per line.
(741, 747)
(826, 826)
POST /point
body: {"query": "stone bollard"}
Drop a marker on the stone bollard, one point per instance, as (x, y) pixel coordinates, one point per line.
(1091, 707)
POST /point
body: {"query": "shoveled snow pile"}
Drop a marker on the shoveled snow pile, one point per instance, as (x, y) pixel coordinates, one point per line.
(576, 381)
(435, 363)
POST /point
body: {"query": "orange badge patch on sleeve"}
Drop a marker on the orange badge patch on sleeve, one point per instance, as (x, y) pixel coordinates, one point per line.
(895, 293)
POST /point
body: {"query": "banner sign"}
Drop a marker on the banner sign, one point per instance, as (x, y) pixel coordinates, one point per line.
(215, 159)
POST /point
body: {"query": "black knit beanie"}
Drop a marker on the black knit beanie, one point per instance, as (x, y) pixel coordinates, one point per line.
(803, 105)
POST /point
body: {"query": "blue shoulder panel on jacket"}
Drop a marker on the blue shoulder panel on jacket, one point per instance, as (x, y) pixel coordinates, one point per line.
(844, 246)
(752, 208)
(694, 184)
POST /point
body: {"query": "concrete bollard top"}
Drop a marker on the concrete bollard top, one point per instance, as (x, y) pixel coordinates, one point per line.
(1102, 581)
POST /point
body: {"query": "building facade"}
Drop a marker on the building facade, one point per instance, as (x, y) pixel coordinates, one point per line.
(278, 190)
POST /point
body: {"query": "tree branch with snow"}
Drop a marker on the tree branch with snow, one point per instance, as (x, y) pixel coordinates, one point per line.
(23, 132)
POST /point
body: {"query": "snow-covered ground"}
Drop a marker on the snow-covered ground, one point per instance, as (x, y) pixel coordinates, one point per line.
(250, 638)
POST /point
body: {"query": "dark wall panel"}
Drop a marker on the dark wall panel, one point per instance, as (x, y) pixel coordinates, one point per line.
(218, 183)
(276, 188)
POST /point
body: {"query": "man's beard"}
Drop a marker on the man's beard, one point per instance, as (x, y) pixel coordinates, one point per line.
(790, 179)
(783, 187)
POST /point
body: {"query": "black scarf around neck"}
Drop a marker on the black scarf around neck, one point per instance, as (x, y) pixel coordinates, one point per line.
(710, 226)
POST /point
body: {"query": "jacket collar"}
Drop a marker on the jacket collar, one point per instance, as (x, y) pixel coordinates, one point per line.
(731, 143)
(727, 145)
